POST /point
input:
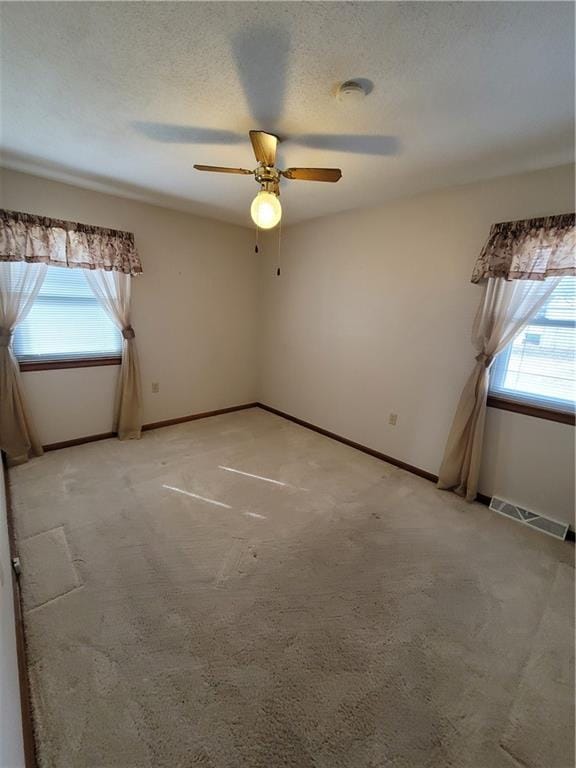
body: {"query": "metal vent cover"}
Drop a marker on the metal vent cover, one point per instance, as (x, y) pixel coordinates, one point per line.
(541, 523)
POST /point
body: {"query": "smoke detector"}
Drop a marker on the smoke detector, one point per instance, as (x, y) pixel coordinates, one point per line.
(351, 91)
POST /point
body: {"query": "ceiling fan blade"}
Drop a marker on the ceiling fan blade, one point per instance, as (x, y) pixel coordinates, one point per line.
(219, 169)
(169, 133)
(313, 174)
(264, 146)
(350, 143)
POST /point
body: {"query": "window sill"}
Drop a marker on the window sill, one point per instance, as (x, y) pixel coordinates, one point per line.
(78, 362)
(531, 410)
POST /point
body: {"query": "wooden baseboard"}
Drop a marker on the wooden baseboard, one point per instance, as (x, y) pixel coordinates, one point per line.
(146, 427)
(359, 447)
(21, 653)
(194, 416)
(480, 497)
(78, 441)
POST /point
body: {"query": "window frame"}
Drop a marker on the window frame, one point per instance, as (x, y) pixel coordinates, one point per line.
(75, 362)
(67, 360)
(515, 406)
(522, 404)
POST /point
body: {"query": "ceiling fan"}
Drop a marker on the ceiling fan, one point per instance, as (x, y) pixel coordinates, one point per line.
(261, 54)
(266, 210)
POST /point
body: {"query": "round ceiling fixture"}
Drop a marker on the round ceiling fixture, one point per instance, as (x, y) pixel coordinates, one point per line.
(351, 91)
(266, 210)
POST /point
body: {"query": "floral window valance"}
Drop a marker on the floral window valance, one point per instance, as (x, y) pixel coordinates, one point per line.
(531, 249)
(37, 239)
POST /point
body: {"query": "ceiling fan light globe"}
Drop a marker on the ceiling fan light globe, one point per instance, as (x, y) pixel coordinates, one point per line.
(266, 210)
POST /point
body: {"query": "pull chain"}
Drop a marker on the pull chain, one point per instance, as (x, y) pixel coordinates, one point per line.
(279, 247)
(256, 250)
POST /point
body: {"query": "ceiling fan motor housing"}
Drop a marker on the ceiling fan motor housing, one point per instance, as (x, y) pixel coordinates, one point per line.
(268, 177)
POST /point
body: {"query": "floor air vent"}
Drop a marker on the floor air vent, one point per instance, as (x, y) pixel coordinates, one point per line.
(544, 524)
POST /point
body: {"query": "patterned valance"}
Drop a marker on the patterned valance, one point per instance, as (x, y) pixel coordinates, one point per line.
(25, 237)
(531, 249)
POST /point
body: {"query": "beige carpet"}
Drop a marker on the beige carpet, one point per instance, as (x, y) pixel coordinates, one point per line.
(322, 610)
(533, 736)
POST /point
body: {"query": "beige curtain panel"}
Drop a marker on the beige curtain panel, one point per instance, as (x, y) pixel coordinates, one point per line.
(520, 266)
(505, 309)
(19, 286)
(531, 249)
(113, 290)
(28, 245)
(36, 239)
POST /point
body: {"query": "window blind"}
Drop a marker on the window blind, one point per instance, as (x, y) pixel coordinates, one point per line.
(539, 366)
(66, 322)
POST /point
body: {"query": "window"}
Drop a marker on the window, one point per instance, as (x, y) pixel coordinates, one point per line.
(538, 368)
(66, 322)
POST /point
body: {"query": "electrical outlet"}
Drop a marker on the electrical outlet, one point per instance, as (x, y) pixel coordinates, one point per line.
(155, 387)
(393, 419)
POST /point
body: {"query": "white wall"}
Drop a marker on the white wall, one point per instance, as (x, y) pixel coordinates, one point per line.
(372, 314)
(194, 312)
(530, 461)
(11, 746)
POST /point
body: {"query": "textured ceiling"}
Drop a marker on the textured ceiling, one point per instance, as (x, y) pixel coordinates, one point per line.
(127, 96)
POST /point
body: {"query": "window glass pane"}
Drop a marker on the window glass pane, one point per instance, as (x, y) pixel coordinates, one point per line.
(66, 321)
(539, 366)
(61, 281)
(562, 303)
